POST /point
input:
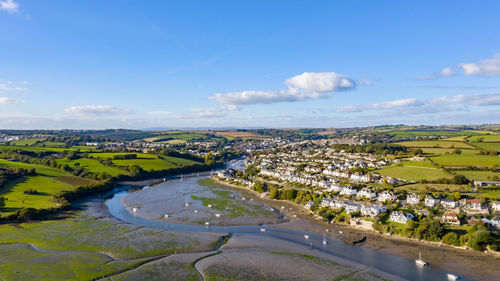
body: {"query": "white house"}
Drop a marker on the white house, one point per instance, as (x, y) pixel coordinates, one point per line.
(386, 196)
(400, 217)
(413, 199)
(348, 190)
(351, 207)
(431, 201)
(367, 193)
(372, 211)
(309, 204)
(450, 204)
(496, 206)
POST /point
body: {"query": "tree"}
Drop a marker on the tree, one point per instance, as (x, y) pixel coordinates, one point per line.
(2, 201)
(451, 238)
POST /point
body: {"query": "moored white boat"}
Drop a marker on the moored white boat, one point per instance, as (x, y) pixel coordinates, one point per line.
(420, 261)
(452, 276)
(306, 236)
(262, 229)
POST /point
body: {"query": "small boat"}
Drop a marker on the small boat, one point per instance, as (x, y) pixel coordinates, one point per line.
(306, 236)
(327, 230)
(209, 205)
(324, 240)
(340, 231)
(217, 215)
(135, 210)
(452, 276)
(207, 223)
(262, 229)
(420, 261)
(166, 216)
(196, 211)
(187, 204)
(294, 216)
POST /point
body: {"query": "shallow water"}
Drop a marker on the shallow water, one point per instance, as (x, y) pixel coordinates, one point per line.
(398, 266)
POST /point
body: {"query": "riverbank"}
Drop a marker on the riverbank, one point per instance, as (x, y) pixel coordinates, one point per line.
(475, 265)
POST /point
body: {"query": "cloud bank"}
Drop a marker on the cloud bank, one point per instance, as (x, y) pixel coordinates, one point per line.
(429, 105)
(5, 101)
(486, 67)
(306, 86)
(95, 110)
(10, 6)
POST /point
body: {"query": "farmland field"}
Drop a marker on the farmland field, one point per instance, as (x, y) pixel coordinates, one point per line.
(479, 175)
(146, 164)
(42, 170)
(449, 151)
(421, 188)
(486, 138)
(179, 161)
(436, 144)
(25, 142)
(111, 155)
(488, 145)
(46, 187)
(92, 166)
(414, 173)
(467, 160)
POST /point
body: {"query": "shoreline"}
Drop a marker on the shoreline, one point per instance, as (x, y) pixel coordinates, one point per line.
(473, 264)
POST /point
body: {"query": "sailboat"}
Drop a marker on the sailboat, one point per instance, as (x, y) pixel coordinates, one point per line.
(324, 239)
(420, 261)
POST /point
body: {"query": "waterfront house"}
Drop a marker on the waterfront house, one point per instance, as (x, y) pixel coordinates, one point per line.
(351, 207)
(372, 211)
(450, 218)
(400, 217)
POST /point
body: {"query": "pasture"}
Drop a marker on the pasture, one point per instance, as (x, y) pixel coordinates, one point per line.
(466, 160)
(436, 144)
(413, 173)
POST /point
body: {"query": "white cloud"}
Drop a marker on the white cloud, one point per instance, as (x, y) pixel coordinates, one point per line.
(4, 101)
(158, 112)
(384, 105)
(445, 72)
(486, 67)
(6, 87)
(10, 6)
(412, 105)
(95, 110)
(306, 86)
(321, 82)
(206, 113)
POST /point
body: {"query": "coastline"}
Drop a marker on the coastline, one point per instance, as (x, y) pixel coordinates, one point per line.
(473, 264)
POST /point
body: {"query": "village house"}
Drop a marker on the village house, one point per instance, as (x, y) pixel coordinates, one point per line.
(372, 211)
(449, 204)
(386, 196)
(430, 201)
(413, 199)
(309, 204)
(472, 204)
(351, 208)
(367, 193)
(349, 191)
(496, 206)
(450, 218)
(400, 217)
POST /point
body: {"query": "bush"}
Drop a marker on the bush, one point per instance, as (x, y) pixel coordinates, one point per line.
(451, 239)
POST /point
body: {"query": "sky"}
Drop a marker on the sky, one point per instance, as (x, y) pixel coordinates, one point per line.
(243, 64)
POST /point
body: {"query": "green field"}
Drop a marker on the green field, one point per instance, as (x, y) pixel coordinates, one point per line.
(42, 170)
(458, 138)
(146, 164)
(421, 188)
(112, 154)
(467, 160)
(486, 138)
(414, 173)
(425, 163)
(93, 166)
(45, 186)
(479, 175)
(179, 161)
(25, 142)
(449, 151)
(36, 148)
(488, 145)
(436, 144)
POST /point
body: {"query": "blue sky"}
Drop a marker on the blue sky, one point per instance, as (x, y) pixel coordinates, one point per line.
(180, 64)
